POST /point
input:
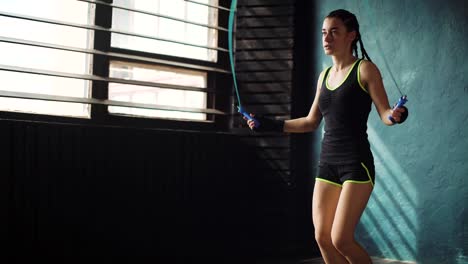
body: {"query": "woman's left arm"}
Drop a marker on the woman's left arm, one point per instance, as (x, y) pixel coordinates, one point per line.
(372, 80)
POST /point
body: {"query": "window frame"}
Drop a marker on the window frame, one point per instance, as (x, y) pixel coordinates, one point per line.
(217, 81)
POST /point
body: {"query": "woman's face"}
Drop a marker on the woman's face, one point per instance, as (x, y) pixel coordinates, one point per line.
(336, 39)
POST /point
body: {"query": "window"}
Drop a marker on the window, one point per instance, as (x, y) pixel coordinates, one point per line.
(133, 58)
(176, 28)
(168, 24)
(20, 60)
(154, 95)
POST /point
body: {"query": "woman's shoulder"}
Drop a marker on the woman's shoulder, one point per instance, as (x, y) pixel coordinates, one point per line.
(368, 68)
(322, 74)
(325, 70)
(367, 65)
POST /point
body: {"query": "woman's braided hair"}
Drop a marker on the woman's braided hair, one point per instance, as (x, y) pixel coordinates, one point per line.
(351, 24)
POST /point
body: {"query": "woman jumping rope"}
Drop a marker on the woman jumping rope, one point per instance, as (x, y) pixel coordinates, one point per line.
(346, 176)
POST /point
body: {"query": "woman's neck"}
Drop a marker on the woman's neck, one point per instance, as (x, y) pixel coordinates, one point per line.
(342, 62)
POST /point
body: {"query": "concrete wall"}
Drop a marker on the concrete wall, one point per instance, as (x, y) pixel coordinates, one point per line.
(418, 209)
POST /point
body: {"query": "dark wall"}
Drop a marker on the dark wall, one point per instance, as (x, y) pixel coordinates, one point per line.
(304, 147)
(275, 69)
(264, 47)
(73, 191)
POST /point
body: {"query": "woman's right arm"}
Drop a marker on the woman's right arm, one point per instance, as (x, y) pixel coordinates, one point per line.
(310, 122)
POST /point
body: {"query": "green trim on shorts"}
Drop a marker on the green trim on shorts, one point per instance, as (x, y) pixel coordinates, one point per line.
(351, 181)
(368, 175)
(330, 182)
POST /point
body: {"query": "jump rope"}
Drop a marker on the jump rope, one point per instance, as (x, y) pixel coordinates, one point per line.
(232, 15)
(401, 101)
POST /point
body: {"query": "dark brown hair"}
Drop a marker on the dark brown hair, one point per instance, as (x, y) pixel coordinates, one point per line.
(351, 24)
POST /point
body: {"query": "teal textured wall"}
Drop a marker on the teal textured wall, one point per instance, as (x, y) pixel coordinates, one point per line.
(418, 210)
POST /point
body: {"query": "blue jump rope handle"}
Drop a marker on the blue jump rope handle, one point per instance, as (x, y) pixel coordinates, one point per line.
(244, 113)
(400, 103)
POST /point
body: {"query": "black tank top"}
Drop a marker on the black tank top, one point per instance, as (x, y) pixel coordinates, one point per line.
(345, 110)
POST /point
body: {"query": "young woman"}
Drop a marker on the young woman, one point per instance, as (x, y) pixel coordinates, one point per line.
(345, 92)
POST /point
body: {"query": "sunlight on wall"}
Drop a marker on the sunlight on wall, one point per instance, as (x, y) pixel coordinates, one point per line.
(390, 220)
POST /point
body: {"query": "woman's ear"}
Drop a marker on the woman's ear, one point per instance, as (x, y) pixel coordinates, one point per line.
(352, 35)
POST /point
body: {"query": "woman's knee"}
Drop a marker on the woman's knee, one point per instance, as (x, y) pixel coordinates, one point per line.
(323, 239)
(343, 243)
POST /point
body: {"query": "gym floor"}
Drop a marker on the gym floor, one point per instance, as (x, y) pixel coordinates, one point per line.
(320, 261)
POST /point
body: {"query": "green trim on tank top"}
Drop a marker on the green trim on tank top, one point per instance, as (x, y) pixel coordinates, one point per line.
(359, 77)
(344, 79)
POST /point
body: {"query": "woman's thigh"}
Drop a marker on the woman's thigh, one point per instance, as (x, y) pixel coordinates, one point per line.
(324, 204)
(352, 202)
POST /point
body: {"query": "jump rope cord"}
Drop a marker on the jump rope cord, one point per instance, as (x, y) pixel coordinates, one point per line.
(232, 12)
(368, 10)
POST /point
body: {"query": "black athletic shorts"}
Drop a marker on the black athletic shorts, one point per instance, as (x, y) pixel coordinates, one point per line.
(359, 172)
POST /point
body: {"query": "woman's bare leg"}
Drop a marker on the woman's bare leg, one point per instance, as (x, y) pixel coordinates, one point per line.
(351, 205)
(324, 203)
